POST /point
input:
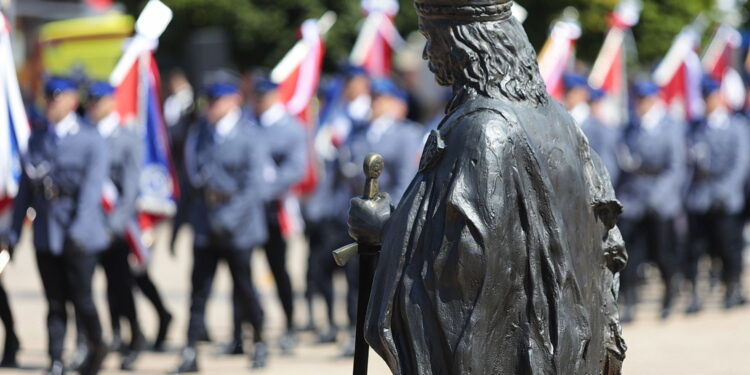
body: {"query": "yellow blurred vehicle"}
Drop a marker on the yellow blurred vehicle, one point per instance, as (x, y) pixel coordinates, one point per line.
(90, 45)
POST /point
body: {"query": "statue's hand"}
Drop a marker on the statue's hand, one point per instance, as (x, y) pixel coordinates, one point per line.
(367, 218)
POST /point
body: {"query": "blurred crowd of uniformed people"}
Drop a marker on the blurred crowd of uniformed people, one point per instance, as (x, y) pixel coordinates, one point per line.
(240, 156)
(684, 187)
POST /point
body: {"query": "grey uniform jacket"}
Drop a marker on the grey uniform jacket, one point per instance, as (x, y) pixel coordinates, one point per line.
(285, 140)
(286, 143)
(654, 168)
(719, 164)
(126, 159)
(62, 180)
(398, 145)
(228, 191)
(603, 139)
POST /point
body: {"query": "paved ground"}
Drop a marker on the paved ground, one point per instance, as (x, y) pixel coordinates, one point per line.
(715, 342)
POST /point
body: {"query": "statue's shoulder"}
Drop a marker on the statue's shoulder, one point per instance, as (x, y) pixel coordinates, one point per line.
(483, 120)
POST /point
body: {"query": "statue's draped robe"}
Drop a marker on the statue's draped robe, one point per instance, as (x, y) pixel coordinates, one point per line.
(493, 261)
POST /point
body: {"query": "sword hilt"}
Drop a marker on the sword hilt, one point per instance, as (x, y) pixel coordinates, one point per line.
(373, 167)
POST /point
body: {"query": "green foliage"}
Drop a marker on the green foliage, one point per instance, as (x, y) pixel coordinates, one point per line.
(261, 31)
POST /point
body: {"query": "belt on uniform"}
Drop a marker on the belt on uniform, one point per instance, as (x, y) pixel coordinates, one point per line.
(52, 191)
(215, 197)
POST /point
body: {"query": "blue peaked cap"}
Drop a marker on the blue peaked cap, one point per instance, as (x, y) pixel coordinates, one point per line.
(709, 85)
(101, 89)
(264, 85)
(645, 89)
(384, 86)
(221, 83)
(574, 81)
(60, 84)
(596, 95)
(351, 71)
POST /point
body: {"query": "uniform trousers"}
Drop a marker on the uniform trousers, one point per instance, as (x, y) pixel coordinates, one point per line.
(275, 249)
(325, 236)
(205, 262)
(67, 277)
(649, 238)
(716, 232)
(120, 284)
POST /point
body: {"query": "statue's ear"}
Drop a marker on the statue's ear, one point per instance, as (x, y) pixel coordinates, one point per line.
(608, 211)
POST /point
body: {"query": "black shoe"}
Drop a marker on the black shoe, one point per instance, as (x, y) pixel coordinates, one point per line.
(310, 327)
(734, 297)
(9, 351)
(188, 361)
(116, 345)
(668, 299)
(56, 368)
(260, 355)
(133, 352)
(329, 336)
(94, 360)
(695, 305)
(78, 358)
(232, 348)
(628, 314)
(203, 336)
(287, 342)
(165, 320)
(347, 351)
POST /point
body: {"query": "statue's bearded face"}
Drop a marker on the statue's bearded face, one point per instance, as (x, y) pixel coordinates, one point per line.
(436, 52)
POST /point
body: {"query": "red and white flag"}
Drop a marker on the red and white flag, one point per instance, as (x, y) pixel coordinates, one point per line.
(609, 73)
(558, 54)
(14, 126)
(298, 75)
(378, 38)
(721, 61)
(680, 73)
(138, 103)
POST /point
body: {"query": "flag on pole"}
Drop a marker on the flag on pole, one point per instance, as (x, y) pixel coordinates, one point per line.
(138, 103)
(298, 75)
(14, 125)
(721, 60)
(558, 53)
(680, 73)
(609, 73)
(378, 38)
(298, 84)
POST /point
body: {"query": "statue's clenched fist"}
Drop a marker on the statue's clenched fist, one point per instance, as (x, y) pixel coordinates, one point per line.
(367, 218)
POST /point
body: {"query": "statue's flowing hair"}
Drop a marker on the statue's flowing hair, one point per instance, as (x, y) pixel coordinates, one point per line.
(495, 59)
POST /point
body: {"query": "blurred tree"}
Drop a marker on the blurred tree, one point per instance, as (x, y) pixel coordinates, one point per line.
(262, 31)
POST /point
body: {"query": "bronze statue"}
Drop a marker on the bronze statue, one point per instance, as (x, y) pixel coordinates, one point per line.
(502, 256)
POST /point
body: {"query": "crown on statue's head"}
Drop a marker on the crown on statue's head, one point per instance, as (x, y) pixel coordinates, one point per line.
(464, 10)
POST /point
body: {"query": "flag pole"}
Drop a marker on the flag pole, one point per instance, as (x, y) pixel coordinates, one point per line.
(297, 54)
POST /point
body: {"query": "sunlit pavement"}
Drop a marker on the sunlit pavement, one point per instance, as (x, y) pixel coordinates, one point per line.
(715, 342)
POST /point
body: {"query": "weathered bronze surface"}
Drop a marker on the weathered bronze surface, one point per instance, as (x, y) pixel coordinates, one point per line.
(501, 258)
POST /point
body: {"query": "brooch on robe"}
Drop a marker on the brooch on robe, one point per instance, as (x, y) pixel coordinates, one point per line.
(433, 150)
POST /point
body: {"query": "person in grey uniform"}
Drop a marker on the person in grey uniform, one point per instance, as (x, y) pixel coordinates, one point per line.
(121, 192)
(63, 175)
(224, 163)
(719, 162)
(390, 135)
(652, 158)
(325, 210)
(580, 100)
(285, 139)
